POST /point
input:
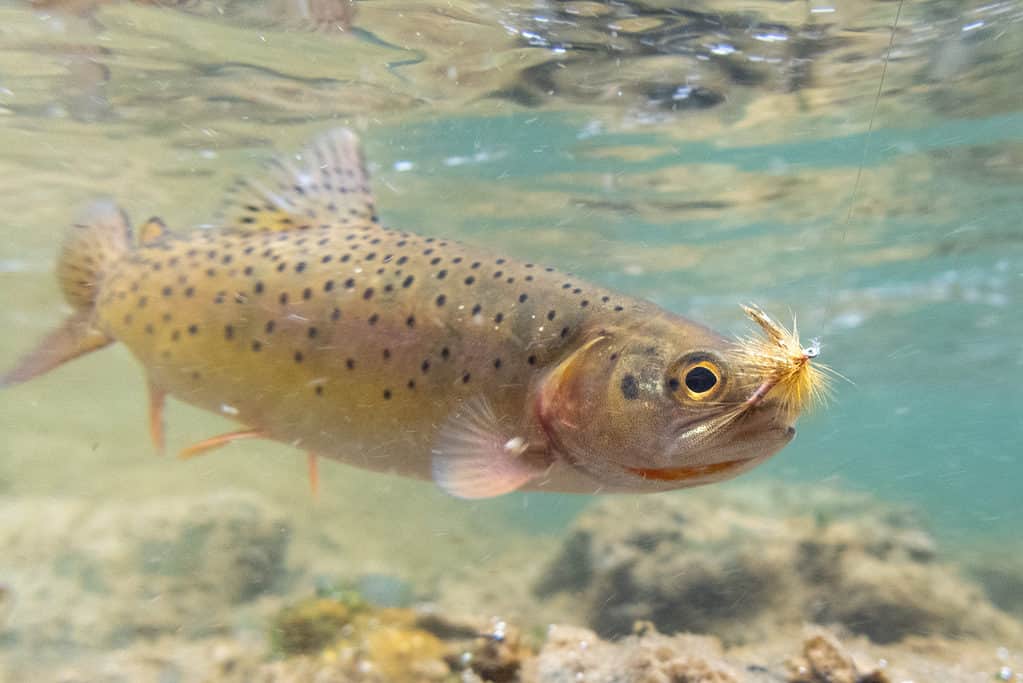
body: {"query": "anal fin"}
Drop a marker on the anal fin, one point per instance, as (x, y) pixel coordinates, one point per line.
(474, 456)
(215, 442)
(157, 400)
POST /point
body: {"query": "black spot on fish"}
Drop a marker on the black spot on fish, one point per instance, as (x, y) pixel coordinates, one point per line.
(425, 367)
(445, 353)
(270, 325)
(312, 332)
(257, 345)
(167, 291)
(584, 303)
(551, 314)
(630, 387)
(319, 390)
(497, 363)
(410, 321)
(368, 294)
(283, 298)
(387, 394)
(441, 274)
(298, 356)
(350, 363)
(408, 282)
(193, 329)
(228, 332)
(476, 309)
(441, 300)
(466, 377)
(470, 280)
(523, 297)
(499, 318)
(307, 293)
(335, 314)
(387, 354)
(257, 288)
(373, 319)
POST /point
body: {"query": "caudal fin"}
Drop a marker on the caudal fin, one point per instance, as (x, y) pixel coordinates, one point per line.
(93, 244)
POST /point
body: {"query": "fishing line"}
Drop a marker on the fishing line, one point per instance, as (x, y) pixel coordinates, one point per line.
(870, 124)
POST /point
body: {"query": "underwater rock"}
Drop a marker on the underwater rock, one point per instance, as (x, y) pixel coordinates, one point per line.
(743, 566)
(345, 635)
(825, 661)
(572, 654)
(178, 566)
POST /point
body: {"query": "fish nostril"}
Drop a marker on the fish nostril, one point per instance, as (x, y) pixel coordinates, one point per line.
(790, 431)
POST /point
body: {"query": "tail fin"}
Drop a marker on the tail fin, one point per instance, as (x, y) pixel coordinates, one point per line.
(95, 242)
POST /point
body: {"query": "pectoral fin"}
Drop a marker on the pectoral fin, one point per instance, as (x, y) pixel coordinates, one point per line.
(476, 457)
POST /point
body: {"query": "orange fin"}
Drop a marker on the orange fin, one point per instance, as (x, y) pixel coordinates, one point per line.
(75, 337)
(215, 442)
(157, 399)
(314, 474)
(153, 231)
(474, 456)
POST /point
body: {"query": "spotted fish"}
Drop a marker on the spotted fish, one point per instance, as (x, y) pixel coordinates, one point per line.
(309, 323)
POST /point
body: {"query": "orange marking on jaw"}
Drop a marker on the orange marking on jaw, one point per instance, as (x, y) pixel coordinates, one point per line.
(682, 473)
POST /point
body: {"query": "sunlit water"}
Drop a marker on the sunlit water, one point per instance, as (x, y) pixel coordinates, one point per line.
(734, 152)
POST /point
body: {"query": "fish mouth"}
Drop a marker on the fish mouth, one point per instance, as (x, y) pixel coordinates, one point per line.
(754, 444)
(687, 472)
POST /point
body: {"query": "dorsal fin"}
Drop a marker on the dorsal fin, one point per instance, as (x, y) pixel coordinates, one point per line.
(152, 231)
(325, 184)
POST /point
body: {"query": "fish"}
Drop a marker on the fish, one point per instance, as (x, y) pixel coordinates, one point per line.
(308, 322)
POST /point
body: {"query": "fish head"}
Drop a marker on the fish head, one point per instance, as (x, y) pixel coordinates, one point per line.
(665, 404)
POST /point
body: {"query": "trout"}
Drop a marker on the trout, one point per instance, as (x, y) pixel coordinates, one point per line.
(307, 322)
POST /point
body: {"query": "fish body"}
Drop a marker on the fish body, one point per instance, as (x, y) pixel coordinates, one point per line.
(309, 323)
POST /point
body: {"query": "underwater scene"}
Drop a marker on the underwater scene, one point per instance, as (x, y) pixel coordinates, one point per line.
(525, 341)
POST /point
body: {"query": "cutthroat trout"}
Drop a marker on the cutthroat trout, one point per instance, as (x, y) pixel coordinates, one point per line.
(309, 323)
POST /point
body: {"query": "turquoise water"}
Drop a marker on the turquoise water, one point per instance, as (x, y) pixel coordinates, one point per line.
(701, 157)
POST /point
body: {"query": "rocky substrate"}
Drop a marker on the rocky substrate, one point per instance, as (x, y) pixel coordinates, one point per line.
(765, 584)
(747, 563)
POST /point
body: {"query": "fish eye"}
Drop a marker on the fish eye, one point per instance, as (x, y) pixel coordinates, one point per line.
(697, 378)
(700, 379)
